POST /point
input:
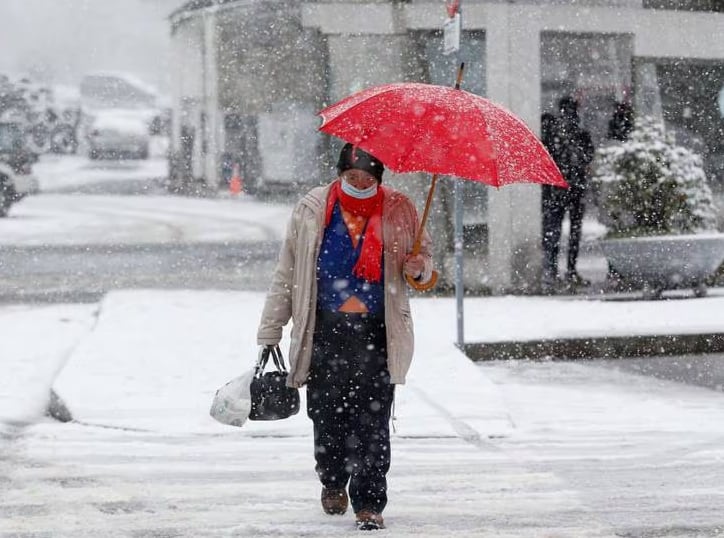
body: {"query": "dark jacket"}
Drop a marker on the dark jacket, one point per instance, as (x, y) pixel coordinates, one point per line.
(572, 150)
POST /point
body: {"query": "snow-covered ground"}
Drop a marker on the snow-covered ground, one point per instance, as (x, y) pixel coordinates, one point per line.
(59, 216)
(65, 219)
(503, 449)
(66, 172)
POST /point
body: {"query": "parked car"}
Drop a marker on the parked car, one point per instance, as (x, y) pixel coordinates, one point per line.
(115, 135)
(16, 167)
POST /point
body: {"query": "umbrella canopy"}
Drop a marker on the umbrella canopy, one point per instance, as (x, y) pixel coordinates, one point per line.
(414, 127)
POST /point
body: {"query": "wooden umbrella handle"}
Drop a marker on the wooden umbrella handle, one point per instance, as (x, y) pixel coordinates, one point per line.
(417, 245)
(423, 286)
(459, 78)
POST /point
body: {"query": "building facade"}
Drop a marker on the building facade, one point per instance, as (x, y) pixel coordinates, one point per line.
(251, 75)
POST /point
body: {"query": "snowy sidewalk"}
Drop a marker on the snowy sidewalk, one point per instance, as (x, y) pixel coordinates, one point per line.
(154, 360)
(593, 327)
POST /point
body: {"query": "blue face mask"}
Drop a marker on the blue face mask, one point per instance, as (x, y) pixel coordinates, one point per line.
(360, 194)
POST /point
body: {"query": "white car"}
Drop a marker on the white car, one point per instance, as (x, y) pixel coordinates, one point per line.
(116, 135)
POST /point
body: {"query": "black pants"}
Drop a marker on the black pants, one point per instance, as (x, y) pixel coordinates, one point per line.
(556, 202)
(349, 397)
(575, 214)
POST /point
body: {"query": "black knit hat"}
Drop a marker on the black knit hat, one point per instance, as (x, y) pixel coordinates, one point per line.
(354, 157)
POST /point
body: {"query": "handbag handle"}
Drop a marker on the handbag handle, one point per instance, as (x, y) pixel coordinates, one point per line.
(277, 356)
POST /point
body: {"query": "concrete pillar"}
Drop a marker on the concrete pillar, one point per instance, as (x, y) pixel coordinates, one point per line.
(363, 60)
(212, 124)
(187, 43)
(177, 92)
(514, 216)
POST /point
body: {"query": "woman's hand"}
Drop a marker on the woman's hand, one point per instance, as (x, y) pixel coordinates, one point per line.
(414, 265)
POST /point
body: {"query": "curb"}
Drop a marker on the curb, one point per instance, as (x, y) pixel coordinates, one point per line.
(597, 348)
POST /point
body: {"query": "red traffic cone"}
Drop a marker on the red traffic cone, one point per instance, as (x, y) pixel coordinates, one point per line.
(236, 183)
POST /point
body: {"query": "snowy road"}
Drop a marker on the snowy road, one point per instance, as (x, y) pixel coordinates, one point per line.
(84, 273)
(551, 478)
(507, 449)
(68, 219)
(91, 481)
(73, 247)
(643, 455)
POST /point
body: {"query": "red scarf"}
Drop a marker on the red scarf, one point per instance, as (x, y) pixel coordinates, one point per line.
(369, 264)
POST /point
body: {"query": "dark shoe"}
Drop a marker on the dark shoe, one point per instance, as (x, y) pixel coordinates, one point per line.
(574, 279)
(368, 520)
(334, 501)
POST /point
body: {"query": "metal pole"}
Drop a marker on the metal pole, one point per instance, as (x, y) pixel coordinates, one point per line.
(458, 238)
(459, 288)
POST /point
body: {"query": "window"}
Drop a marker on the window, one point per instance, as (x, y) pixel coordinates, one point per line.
(595, 69)
(692, 112)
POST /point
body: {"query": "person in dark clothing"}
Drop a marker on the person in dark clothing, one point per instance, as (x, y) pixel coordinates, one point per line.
(341, 278)
(572, 150)
(622, 122)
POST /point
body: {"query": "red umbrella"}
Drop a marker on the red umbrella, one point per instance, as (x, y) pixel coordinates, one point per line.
(414, 127)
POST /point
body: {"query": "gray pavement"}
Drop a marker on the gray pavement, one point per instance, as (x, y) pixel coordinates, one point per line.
(594, 452)
(85, 273)
(703, 370)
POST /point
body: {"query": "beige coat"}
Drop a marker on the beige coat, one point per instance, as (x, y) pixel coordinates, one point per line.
(293, 291)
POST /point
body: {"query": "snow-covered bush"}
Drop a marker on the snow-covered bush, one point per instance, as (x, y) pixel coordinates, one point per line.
(650, 186)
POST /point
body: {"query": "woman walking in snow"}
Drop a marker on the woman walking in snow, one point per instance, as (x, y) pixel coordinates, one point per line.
(341, 279)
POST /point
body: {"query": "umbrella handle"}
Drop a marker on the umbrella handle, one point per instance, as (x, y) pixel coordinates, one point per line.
(418, 242)
(422, 286)
(459, 79)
